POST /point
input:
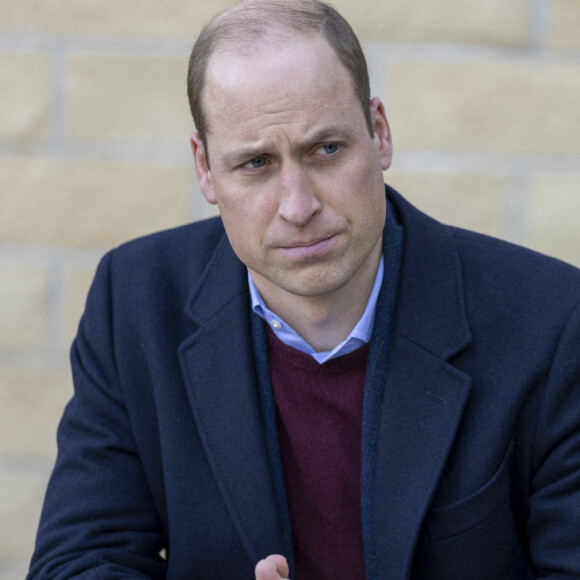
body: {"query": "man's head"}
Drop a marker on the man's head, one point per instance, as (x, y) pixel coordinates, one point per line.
(250, 21)
(296, 167)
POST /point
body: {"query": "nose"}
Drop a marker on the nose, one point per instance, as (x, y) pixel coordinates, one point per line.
(298, 198)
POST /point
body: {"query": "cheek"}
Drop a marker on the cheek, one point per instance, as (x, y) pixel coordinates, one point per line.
(250, 208)
(363, 192)
(245, 226)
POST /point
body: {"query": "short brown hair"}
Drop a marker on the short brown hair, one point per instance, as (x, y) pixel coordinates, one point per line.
(252, 20)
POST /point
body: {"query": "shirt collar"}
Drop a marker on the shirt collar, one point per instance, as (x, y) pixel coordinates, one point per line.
(359, 335)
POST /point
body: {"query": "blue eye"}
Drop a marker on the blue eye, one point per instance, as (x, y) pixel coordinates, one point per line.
(256, 163)
(329, 148)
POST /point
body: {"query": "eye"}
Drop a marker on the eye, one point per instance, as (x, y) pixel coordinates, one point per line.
(328, 148)
(255, 163)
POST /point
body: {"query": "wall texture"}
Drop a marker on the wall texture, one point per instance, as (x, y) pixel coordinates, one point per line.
(484, 104)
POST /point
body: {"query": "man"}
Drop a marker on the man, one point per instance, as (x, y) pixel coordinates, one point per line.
(331, 384)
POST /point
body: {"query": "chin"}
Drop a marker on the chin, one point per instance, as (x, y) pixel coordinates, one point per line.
(311, 288)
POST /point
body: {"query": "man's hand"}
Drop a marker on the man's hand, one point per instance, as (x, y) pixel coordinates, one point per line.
(273, 567)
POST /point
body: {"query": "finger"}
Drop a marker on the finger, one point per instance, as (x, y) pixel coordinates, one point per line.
(274, 567)
(266, 571)
(281, 564)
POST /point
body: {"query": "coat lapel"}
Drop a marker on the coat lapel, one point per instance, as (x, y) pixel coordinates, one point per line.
(421, 411)
(218, 366)
(424, 395)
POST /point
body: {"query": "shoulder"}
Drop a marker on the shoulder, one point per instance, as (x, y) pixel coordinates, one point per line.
(160, 269)
(520, 300)
(181, 252)
(514, 273)
(490, 267)
(503, 287)
(193, 242)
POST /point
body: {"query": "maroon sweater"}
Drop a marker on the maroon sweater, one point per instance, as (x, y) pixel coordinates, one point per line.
(319, 414)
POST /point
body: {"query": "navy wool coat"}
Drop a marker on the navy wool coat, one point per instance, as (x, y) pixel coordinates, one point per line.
(163, 468)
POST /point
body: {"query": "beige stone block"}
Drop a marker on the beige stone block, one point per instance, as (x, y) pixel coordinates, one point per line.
(474, 202)
(76, 286)
(504, 107)
(31, 404)
(24, 299)
(553, 216)
(468, 21)
(25, 95)
(20, 504)
(109, 17)
(89, 203)
(128, 98)
(565, 24)
(14, 569)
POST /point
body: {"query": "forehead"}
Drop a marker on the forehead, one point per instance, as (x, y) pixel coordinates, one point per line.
(239, 51)
(282, 74)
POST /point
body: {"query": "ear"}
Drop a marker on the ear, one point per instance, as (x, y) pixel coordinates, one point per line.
(202, 168)
(382, 133)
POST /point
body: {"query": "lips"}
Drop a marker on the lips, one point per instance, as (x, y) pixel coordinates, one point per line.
(306, 244)
(310, 248)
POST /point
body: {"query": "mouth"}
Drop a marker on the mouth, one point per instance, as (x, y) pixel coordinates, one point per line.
(309, 249)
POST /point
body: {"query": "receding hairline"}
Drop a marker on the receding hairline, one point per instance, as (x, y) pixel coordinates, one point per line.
(238, 28)
(302, 11)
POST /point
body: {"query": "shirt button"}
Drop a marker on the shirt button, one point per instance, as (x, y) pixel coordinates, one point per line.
(275, 325)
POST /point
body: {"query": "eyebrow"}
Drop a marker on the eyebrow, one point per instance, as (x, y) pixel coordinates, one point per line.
(336, 131)
(236, 157)
(339, 130)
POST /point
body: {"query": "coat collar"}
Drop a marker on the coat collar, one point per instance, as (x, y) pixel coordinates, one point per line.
(223, 280)
(430, 303)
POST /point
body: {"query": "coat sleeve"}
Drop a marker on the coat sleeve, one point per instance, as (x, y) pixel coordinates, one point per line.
(554, 520)
(99, 518)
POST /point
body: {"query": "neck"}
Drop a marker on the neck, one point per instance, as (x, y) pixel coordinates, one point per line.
(323, 321)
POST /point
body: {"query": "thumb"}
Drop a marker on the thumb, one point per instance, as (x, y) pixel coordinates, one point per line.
(274, 567)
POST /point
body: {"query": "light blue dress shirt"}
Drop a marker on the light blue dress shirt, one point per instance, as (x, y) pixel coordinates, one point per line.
(360, 334)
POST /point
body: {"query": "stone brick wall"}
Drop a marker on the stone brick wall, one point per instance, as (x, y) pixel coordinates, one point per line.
(484, 104)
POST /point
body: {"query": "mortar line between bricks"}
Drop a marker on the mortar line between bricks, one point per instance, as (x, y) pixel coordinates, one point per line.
(540, 21)
(58, 101)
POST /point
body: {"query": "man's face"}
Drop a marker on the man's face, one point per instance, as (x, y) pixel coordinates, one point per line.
(293, 168)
